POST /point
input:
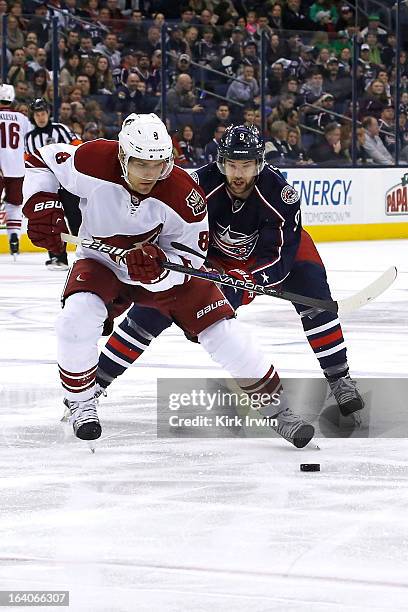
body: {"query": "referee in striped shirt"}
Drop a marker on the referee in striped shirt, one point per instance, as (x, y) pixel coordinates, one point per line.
(46, 132)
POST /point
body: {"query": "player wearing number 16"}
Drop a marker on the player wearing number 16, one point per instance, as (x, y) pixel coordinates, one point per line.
(134, 198)
(13, 127)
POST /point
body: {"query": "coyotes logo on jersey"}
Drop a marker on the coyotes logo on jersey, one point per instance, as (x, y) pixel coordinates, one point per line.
(130, 242)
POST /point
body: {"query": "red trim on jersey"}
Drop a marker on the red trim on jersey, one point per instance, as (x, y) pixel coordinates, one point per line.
(34, 161)
(99, 159)
(328, 339)
(122, 348)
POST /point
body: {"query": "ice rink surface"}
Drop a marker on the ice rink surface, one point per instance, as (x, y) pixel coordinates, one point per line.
(200, 524)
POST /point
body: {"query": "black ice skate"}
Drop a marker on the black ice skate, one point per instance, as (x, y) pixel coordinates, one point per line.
(346, 394)
(57, 262)
(84, 418)
(14, 244)
(292, 427)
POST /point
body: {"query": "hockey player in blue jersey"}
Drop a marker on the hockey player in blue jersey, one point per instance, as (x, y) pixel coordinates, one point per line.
(256, 234)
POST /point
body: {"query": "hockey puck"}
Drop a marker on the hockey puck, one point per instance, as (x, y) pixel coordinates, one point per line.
(310, 467)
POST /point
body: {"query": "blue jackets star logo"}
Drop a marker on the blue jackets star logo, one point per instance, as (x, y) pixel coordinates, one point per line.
(234, 244)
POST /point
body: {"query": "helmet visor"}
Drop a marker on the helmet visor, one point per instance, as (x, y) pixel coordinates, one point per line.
(148, 170)
(239, 168)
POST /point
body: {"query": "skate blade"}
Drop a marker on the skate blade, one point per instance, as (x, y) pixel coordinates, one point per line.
(91, 444)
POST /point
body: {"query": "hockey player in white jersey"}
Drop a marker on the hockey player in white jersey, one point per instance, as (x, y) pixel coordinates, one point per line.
(134, 198)
(13, 128)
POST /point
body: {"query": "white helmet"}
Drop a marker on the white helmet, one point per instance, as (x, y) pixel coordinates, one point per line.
(145, 137)
(6, 93)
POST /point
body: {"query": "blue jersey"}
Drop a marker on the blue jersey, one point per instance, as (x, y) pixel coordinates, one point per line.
(261, 233)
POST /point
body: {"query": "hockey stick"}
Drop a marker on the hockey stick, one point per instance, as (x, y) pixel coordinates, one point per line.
(344, 306)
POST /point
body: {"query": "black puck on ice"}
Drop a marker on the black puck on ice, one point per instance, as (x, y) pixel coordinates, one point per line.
(310, 467)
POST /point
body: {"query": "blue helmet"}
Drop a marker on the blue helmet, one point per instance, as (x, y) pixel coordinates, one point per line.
(241, 142)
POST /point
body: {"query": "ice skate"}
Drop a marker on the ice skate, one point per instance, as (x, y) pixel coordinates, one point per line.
(84, 418)
(346, 394)
(292, 427)
(14, 245)
(59, 262)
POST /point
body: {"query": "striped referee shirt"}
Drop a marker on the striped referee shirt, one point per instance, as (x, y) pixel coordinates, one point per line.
(50, 134)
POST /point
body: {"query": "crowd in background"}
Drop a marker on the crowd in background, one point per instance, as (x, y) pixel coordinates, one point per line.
(110, 59)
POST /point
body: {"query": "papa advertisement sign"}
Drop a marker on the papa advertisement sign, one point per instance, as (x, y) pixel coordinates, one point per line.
(396, 198)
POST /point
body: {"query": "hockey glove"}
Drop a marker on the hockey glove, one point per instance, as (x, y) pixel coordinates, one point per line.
(145, 264)
(45, 221)
(237, 297)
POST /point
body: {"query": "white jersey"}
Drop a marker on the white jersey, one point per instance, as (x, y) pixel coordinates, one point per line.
(175, 210)
(13, 128)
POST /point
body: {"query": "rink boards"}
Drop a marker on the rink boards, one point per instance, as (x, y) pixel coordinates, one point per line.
(337, 204)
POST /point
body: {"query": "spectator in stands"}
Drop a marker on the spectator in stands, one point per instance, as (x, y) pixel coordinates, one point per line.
(374, 55)
(89, 68)
(373, 27)
(192, 155)
(15, 36)
(103, 76)
(346, 17)
(73, 41)
(286, 103)
(22, 92)
(40, 24)
(90, 10)
(292, 86)
(246, 88)
(389, 51)
(90, 132)
(312, 89)
(16, 10)
(65, 114)
(86, 48)
(235, 45)
(183, 66)
(382, 76)
(18, 70)
(275, 16)
(211, 148)
(323, 14)
(62, 53)
(84, 83)
(320, 118)
(249, 116)
(296, 150)
(373, 145)
(78, 116)
(345, 60)
(114, 11)
(251, 55)
(337, 84)
(206, 51)
(69, 72)
(328, 151)
(152, 43)
(277, 48)
(176, 44)
(75, 94)
(134, 29)
(222, 117)
(40, 82)
(386, 126)
(293, 120)
(190, 38)
(109, 48)
(276, 79)
(181, 98)
(278, 148)
(39, 61)
(374, 101)
(128, 99)
(294, 19)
